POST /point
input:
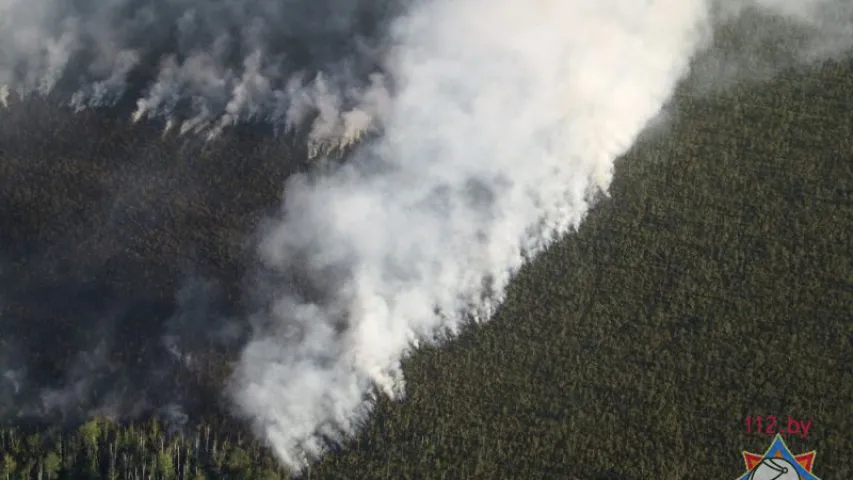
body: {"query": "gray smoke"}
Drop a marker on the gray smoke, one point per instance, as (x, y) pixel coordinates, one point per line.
(497, 125)
(506, 124)
(201, 66)
(757, 39)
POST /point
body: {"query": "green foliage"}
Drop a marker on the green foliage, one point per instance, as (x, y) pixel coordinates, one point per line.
(238, 460)
(165, 466)
(103, 449)
(52, 465)
(9, 466)
(89, 433)
(715, 284)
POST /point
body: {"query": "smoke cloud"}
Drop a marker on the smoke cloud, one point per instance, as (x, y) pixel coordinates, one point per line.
(202, 66)
(758, 39)
(496, 124)
(507, 122)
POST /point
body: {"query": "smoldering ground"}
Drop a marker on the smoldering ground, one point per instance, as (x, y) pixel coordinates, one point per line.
(121, 264)
(203, 66)
(496, 124)
(123, 249)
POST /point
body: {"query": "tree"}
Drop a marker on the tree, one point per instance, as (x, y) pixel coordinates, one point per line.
(165, 465)
(52, 465)
(8, 467)
(239, 464)
(89, 433)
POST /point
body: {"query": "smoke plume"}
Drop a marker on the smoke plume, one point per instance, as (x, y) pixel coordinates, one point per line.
(497, 124)
(507, 122)
(202, 66)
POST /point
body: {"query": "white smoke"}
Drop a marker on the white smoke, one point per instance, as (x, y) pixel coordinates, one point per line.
(508, 119)
(766, 37)
(212, 63)
(504, 123)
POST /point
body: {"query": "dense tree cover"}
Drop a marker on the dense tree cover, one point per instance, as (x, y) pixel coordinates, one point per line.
(716, 283)
(101, 449)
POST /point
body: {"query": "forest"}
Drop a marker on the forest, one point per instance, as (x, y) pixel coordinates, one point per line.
(715, 283)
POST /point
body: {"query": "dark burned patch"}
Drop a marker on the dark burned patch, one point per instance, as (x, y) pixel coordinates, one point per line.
(113, 239)
(120, 49)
